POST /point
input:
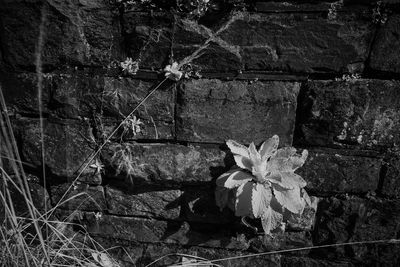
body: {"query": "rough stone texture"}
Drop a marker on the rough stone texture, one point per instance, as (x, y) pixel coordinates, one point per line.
(21, 93)
(67, 145)
(306, 221)
(79, 196)
(355, 219)
(166, 164)
(84, 33)
(78, 94)
(329, 171)
(360, 113)
(159, 204)
(156, 251)
(39, 195)
(214, 111)
(310, 262)
(270, 42)
(148, 38)
(391, 180)
(385, 54)
(199, 206)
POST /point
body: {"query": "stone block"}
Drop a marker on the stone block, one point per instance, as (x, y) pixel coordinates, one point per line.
(159, 204)
(21, 93)
(165, 164)
(354, 219)
(304, 42)
(84, 33)
(332, 171)
(391, 180)
(78, 196)
(214, 111)
(385, 54)
(67, 147)
(358, 113)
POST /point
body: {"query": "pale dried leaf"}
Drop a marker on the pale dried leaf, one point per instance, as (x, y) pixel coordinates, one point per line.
(235, 179)
(103, 259)
(268, 148)
(261, 198)
(289, 199)
(271, 220)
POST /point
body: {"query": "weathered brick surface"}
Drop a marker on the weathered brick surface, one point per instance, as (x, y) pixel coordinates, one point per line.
(126, 228)
(21, 93)
(360, 113)
(78, 94)
(328, 171)
(78, 197)
(80, 34)
(356, 219)
(271, 42)
(385, 54)
(166, 164)
(391, 180)
(159, 204)
(214, 111)
(67, 146)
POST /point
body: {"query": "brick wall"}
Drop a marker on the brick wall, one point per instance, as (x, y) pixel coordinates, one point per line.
(274, 68)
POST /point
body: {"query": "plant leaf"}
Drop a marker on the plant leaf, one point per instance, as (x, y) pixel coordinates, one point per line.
(243, 203)
(288, 180)
(289, 199)
(240, 153)
(261, 198)
(271, 220)
(103, 259)
(254, 155)
(235, 179)
(268, 148)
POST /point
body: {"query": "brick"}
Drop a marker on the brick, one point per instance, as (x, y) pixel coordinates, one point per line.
(164, 163)
(126, 228)
(351, 219)
(385, 53)
(79, 196)
(67, 146)
(267, 42)
(21, 93)
(79, 34)
(148, 38)
(159, 204)
(214, 111)
(329, 171)
(358, 114)
(391, 180)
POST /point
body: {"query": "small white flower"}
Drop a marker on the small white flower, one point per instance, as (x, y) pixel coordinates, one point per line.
(98, 166)
(98, 216)
(129, 66)
(172, 72)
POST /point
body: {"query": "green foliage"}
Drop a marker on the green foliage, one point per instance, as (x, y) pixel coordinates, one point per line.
(263, 183)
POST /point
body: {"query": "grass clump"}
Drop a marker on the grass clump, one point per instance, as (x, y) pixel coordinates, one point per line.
(30, 234)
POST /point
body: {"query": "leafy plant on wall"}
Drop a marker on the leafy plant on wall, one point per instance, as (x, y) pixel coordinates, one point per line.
(263, 184)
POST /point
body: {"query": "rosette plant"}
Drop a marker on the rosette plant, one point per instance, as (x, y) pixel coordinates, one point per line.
(263, 184)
